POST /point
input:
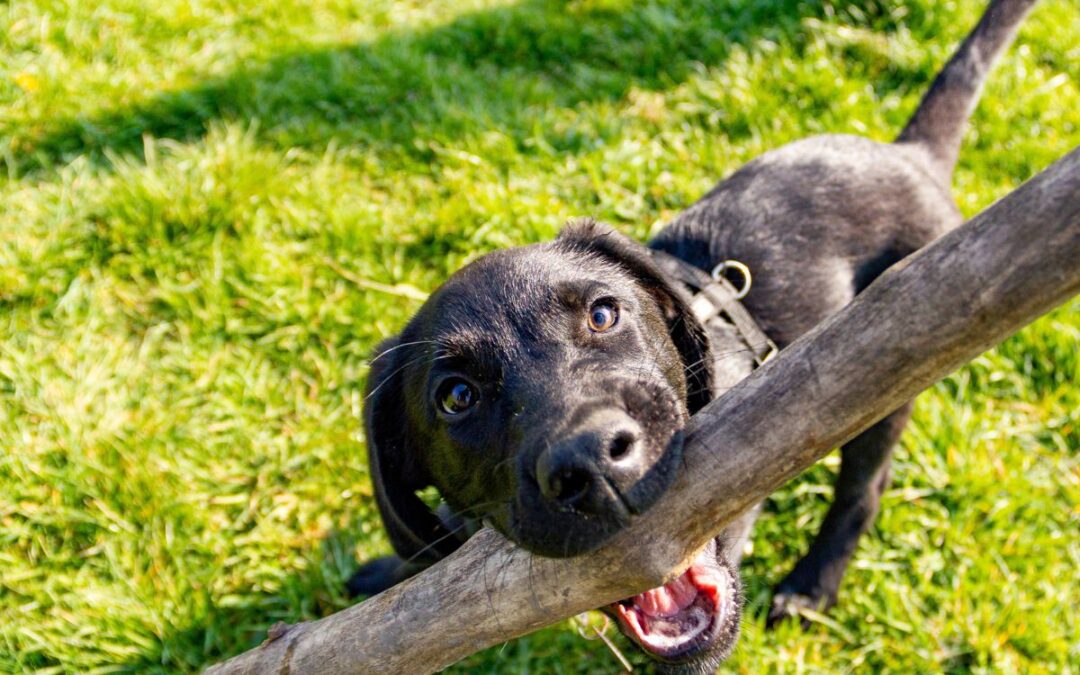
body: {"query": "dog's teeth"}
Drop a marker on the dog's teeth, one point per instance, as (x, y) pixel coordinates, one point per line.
(630, 617)
(706, 579)
(667, 600)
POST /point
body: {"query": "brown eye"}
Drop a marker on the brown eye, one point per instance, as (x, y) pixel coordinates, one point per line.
(602, 316)
(456, 396)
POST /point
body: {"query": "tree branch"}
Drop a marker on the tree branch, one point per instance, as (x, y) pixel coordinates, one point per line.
(919, 321)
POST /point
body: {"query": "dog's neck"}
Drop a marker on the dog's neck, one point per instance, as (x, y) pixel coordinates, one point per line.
(732, 359)
(736, 342)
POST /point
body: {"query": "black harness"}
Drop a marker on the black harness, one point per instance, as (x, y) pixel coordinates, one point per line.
(713, 296)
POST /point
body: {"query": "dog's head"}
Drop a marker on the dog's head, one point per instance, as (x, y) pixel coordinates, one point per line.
(543, 390)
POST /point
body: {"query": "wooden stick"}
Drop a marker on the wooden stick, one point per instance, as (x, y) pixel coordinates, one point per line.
(918, 322)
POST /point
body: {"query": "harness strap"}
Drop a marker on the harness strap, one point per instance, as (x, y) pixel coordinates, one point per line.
(715, 296)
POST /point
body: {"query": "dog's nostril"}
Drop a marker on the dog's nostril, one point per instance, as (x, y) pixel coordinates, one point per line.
(621, 444)
(570, 485)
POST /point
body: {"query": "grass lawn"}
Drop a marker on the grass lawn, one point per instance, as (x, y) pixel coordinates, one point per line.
(211, 211)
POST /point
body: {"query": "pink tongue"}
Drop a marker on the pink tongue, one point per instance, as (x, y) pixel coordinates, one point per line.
(669, 599)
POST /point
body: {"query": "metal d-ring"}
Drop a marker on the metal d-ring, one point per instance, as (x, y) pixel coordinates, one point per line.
(718, 271)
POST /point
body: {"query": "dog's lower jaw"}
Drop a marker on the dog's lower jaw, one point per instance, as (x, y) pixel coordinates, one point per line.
(690, 624)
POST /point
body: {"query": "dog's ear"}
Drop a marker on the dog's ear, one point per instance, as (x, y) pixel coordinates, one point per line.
(417, 534)
(687, 333)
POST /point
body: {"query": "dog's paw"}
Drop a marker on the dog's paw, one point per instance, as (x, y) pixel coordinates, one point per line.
(374, 577)
(790, 606)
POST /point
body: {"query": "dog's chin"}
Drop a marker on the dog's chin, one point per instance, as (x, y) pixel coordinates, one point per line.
(541, 528)
(690, 624)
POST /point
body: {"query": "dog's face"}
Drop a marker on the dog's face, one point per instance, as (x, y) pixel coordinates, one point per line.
(543, 390)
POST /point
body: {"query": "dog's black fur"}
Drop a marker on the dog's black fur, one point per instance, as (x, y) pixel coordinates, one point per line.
(511, 395)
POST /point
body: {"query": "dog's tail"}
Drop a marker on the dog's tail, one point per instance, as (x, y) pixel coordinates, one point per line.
(938, 124)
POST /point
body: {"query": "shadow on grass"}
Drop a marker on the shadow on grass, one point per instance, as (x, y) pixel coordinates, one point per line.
(487, 70)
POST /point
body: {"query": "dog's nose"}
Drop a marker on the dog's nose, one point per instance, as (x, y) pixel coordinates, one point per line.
(588, 470)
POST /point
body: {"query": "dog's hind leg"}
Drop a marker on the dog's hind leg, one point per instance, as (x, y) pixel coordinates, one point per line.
(864, 475)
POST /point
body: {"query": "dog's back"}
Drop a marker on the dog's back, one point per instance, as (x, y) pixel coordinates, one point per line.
(817, 220)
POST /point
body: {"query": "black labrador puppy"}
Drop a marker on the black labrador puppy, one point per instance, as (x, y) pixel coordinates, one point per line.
(542, 389)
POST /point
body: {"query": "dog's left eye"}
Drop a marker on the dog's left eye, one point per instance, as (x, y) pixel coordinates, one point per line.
(455, 396)
(602, 316)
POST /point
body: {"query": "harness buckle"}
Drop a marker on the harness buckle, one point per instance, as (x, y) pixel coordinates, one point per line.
(772, 350)
(741, 268)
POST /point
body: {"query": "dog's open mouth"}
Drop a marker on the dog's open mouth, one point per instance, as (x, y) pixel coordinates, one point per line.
(685, 616)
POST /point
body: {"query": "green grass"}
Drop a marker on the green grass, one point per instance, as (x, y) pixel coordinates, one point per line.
(195, 197)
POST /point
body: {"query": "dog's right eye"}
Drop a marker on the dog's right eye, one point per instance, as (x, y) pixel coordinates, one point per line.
(603, 316)
(455, 396)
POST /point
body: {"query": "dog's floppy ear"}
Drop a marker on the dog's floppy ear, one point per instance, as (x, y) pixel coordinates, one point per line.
(687, 333)
(417, 534)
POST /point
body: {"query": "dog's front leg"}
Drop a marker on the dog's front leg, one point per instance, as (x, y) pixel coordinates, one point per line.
(864, 475)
